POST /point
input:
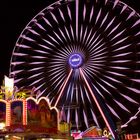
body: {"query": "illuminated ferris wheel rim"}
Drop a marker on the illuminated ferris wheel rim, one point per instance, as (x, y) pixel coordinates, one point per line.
(57, 2)
(74, 51)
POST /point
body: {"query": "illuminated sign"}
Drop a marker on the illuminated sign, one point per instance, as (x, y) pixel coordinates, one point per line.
(9, 87)
(75, 60)
(2, 125)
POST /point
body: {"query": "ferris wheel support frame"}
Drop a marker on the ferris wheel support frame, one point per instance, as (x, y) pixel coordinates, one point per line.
(63, 88)
(106, 120)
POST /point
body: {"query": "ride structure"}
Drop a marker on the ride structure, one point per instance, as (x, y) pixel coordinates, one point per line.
(27, 116)
(83, 55)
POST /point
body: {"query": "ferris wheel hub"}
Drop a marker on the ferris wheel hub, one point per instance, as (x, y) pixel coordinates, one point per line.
(75, 60)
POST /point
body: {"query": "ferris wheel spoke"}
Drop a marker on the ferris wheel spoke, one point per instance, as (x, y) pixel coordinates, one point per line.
(121, 106)
(88, 96)
(114, 30)
(85, 119)
(65, 83)
(76, 119)
(89, 35)
(94, 118)
(98, 16)
(77, 20)
(113, 111)
(68, 115)
(131, 14)
(33, 31)
(47, 21)
(130, 99)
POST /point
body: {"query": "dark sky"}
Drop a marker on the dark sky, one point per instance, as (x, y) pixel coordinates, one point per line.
(14, 16)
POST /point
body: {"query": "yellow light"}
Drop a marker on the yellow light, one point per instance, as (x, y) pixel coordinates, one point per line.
(17, 137)
(2, 125)
(7, 136)
(9, 86)
(46, 139)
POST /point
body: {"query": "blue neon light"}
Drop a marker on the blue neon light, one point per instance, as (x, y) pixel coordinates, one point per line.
(75, 60)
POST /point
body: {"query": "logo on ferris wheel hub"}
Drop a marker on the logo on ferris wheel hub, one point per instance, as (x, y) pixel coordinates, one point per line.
(75, 60)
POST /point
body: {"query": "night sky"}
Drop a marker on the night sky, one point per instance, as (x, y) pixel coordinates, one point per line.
(14, 16)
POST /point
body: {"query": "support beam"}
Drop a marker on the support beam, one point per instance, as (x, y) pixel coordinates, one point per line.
(63, 88)
(98, 106)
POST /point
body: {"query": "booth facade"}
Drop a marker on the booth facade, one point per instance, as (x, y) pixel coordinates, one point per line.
(29, 117)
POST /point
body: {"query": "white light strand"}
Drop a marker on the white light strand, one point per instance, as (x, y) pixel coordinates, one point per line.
(131, 119)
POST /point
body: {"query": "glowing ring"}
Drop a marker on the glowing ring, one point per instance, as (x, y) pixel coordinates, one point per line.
(75, 60)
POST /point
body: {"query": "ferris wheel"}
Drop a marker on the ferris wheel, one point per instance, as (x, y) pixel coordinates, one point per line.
(84, 56)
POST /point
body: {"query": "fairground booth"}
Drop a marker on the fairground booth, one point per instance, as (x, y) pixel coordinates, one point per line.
(23, 117)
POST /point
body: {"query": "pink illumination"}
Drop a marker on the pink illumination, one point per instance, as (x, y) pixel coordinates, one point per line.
(8, 118)
(65, 83)
(24, 112)
(95, 100)
(9, 111)
(77, 12)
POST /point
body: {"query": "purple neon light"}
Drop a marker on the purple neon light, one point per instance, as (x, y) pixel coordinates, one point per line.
(75, 60)
(108, 43)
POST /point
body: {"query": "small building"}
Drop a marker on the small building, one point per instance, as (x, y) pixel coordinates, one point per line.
(92, 133)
